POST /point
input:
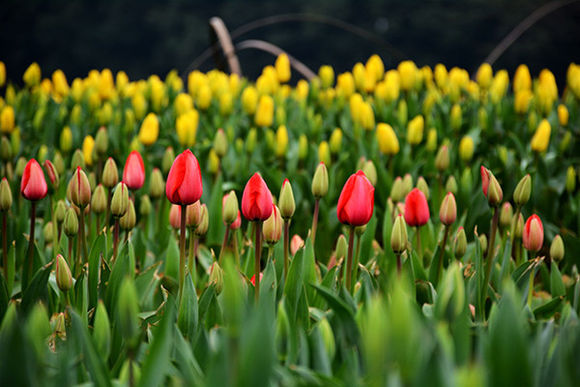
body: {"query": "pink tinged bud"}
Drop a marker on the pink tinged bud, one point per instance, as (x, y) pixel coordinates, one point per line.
(33, 185)
(484, 179)
(448, 210)
(237, 223)
(416, 208)
(296, 243)
(134, 172)
(533, 235)
(256, 199)
(175, 216)
(80, 188)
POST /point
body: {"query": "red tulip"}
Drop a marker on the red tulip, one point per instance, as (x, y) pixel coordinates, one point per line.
(33, 185)
(484, 179)
(256, 199)
(416, 208)
(184, 184)
(356, 201)
(237, 223)
(533, 235)
(134, 172)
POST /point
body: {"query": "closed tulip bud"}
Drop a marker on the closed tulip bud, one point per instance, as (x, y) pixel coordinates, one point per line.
(397, 190)
(505, 216)
(563, 115)
(201, 229)
(399, 235)
(229, 207)
(451, 185)
(431, 140)
(523, 191)
(110, 176)
(408, 73)
(356, 202)
(281, 141)
(77, 160)
(7, 119)
(286, 201)
(5, 150)
(571, 179)
(256, 199)
(442, 159)
(302, 147)
(423, 187)
(541, 138)
(557, 249)
(533, 234)
(59, 325)
(60, 211)
(249, 99)
(484, 76)
(416, 208)
(326, 75)
(324, 153)
(460, 244)
(20, 167)
(102, 331)
(448, 210)
(99, 200)
(156, 184)
(251, 140)
(456, 118)
(134, 171)
(216, 277)
(101, 141)
(296, 243)
(33, 185)
(42, 153)
(519, 226)
(466, 148)
(175, 216)
(407, 183)
(64, 278)
(387, 139)
(149, 129)
(71, 223)
(265, 111)
(5, 195)
(415, 130)
(335, 141)
(483, 243)
(220, 143)
(120, 200)
(167, 161)
(52, 174)
(80, 188)
(129, 219)
(320, 181)
(495, 193)
(272, 228)
(370, 172)
(128, 311)
(192, 216)
(47, 232)
(58, 162)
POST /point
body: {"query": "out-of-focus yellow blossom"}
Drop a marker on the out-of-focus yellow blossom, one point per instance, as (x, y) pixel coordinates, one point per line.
(522, 100)
(204, 97)
(226, 104)
(370, 81)
(431, 98)
(499, 86)
(456, 117)
(367, 116)
(77, 89)
(129, 119)
(473, 90)
(431, 140)
(76, 114)
(213, 162)
(157, 93)
(563, 115)
(541, 138)
(532, 121)
(358, 73)
(393, 84)
(415, 130)
(284, 91)
(183, 103)
(32, 75)
(249, 99)
(482, 117)
(522, 78)
(7, 119)
(440, 76)
(302, 147)
(60, 84)
(195, 80)
(42, 153)
(267, 83)
(281, 141)
(265, 111)
(106, 84)
(270, 139)
(327, 96)
(402, 112)
(335, 141)
(354, 103)
(139, 104)
(173, 81)
(282, 66)
(121, 82)
(345, 85)
(66, 139)
(10, 95)
(408, 73)
(88, 145)
(149, 129)
(105, 114)
(235, 84)
(573, 78)
(546, 91)
(387, 139)
(280, 115)
(324, 153)
(2, 73)
(427, 75)
(302, 88)
(186, 127)
(46, 86)
(326, 75)
(484, 76)
(466, 148)
(375, 67)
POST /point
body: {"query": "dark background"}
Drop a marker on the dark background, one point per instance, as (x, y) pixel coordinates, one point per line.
(145, 37)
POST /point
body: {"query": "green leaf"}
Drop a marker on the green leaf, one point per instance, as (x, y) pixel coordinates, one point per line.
(557, 287)
(37, 289)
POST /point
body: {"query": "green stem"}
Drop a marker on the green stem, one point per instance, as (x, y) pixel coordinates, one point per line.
(440, 263)
(182, 250)
(349, 258)
(224, 244)
(257, 255)
(286, 243)
(31, 241)
(418, 237)
(115, 240)
(5, 244)
(356, 257)
(315, 220)
(190, 258)
(398, 263)
(82, 235)
(531, 286)
(489, 259)
(513, 231)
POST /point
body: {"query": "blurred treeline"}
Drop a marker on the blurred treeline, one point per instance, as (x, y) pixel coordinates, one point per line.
(146, 36)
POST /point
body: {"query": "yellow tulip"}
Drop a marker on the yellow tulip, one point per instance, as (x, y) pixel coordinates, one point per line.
(440, 76)
(226, 104)
(2, 73)
(324, 153)
(7, 119)
(249, 99)
(546, 90)
(427, 75)
(387, 139)
(282, 66)
(213, 162)
(88, 145)
(149, 129)
(415, 130)
(204, 97)
(105, 114)
(484, 76)
(139, 104)
(408, 74)
(522, 100)
(60, 83)
(358, 73)
(466, 148)
(235, 84)
(573, 79)
(375, 67)
(157, 90)
(106, 84)
(121, 81)
(281, 141)
(183, 103)
(541, 138)
(335, 141)
(195, 80)
(186, 127)
(431, 140)
(522, 79)
(46, 86)
(66, 139)
(456, 118)
(563, 115)
(499, 86)
(302, 90)
(265, 111)
(326, 75)
(345, 85)
(32, 75)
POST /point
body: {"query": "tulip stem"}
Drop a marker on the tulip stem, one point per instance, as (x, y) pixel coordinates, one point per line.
(55, 240)
(5, 244)
(115, 239)
(182, 250)
(356, 257)
(441, 253)
(224, 244)
(257, 255)
(489, 259)
(70, 248)
(108, 210)
(531, 286)
(349, 258)
(31, 241)
(286, 243)
(82, 234)
(235, 247)
(315, 220)
(191, 259)
(418, 236)
(398, 255)
(513, 232)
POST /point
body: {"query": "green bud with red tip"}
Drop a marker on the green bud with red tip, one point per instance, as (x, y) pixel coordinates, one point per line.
(120, 200)
(128, 220)
(320, 181)
(110, 176)
(448, 210)
(557, 250)
(286, 202)
(80, 187)
(523, 191)
(63, 275)
(460, 245)
(230, 208)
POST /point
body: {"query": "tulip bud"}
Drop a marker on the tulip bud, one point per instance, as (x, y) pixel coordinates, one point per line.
(167, 160)
(156, 184)
(101, 141)
(533, 234)
(398, 190)
(59, 325)
(220, 143)
(52, 175)
(296, 243)
(120, 200)
(272, 228)
(563, 115)
(58, 162)
(442, 159)
(63, 275)
(399, 235)
(320, 181)
(216, 277)
(71, 223)
(557, 248)
(213, 162)
(80, 189)
(5, 150)
(175, 216)
(505, 216)
(110, 176)
(341, 247)
(402, 112)
(251, 140)
(203, 222)
(20, 166)
(523, 191)
(286, 201)
(128, 310)
(570, 179)
(230, 208)
(281, 141)
(302, 147)
(387, 139)
(5, 195)
(47, 232)
(78, 160)
(456, 119)
(519, 226)
(60, 211)
(324, 153)
(145, 206)
(466, 148)
(423, 187)
(431, 140)
(127, 221)
(483, 243)
(460, 243)
(370, 171)
(99, 200)
(451, 185)
(335, 141)
(102, 331)
(193, 215)
(494, 193)
(407, 183)
(448, 210)
(42, 153)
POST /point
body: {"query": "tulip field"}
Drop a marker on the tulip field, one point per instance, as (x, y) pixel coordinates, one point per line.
(406, 226)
